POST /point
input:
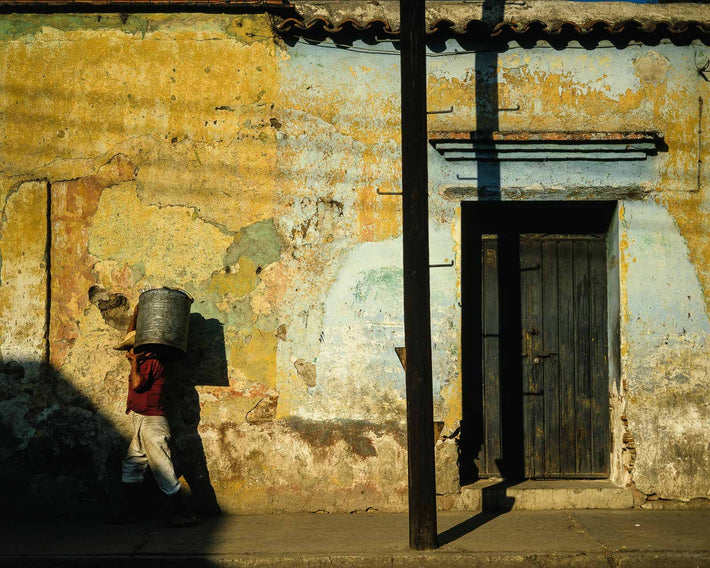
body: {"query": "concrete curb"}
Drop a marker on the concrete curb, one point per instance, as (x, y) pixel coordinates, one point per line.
(435, 559)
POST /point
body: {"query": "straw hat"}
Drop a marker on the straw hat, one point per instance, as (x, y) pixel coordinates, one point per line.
(127, 342)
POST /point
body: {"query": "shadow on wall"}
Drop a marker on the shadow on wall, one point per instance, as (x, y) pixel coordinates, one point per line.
(205, 363)
(59, 455)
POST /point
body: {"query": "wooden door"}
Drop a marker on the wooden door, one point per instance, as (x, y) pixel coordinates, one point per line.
(546, 416)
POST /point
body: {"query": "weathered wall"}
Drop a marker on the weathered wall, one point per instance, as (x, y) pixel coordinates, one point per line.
(659, 408)
(199, 151)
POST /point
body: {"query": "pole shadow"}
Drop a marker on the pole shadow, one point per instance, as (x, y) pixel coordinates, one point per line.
(494, 503)
(494, 500)
(476, 458)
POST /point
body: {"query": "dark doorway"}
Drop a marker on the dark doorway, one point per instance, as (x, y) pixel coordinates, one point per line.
(535, 340)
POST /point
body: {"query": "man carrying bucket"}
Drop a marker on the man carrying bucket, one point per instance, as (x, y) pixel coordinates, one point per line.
(150, 445)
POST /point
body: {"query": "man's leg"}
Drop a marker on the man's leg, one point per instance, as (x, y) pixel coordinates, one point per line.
(136, 461)
(125, 500)
(155, 439)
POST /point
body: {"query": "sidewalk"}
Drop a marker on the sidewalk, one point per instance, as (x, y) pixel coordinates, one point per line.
(574, 538)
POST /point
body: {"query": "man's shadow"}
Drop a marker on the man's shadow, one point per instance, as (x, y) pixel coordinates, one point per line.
(205, 363)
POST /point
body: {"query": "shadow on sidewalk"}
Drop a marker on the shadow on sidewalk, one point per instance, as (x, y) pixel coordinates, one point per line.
(494, 503)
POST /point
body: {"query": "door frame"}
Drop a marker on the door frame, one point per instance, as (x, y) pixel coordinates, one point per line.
(510, 219)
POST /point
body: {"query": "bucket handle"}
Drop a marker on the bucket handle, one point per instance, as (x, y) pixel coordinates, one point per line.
(187, 294)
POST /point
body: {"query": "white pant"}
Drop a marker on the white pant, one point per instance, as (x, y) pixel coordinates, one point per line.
(150, 447)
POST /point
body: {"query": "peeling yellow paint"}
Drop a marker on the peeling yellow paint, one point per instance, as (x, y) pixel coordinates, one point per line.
(238, 282)
(452, 396)
(23, 278)
(379, 217)
(74, 205)
(623, 277)
(171, 242)
(230, 409)
(690, 209)
(150, 94)
(254, 357)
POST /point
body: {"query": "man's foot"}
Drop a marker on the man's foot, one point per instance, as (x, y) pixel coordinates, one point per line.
(180, 521)
(179, 512)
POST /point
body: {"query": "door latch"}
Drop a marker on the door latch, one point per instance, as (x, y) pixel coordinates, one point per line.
(540, 356)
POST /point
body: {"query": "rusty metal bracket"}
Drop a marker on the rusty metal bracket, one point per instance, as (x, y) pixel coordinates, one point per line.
(388, 192)
(447, 111)
(446, 265)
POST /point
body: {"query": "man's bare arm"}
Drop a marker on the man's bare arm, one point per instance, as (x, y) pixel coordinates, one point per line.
(134, 378)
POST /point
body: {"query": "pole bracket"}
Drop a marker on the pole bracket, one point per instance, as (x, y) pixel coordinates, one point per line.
(446, 111)
(444, 265)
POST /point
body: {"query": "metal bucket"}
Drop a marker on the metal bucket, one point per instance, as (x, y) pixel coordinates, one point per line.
(163, 318)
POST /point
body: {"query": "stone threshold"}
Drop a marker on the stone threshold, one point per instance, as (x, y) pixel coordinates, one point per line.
(539, 495)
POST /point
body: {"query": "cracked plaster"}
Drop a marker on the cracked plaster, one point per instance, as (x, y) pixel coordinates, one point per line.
(244, 173)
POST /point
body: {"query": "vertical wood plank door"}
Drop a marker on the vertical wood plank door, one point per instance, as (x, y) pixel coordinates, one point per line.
(491, 357)
(564, 366)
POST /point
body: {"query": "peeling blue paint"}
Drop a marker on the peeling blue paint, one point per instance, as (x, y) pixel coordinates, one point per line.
(665, 298)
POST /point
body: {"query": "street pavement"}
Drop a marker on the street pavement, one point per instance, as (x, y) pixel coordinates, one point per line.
(574, 538)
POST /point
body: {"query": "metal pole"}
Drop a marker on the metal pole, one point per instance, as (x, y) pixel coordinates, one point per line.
(417, 326)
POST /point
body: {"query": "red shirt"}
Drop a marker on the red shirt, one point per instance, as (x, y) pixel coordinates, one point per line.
(147, 398)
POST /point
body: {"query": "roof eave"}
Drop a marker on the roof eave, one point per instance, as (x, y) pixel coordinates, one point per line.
(519, 16)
